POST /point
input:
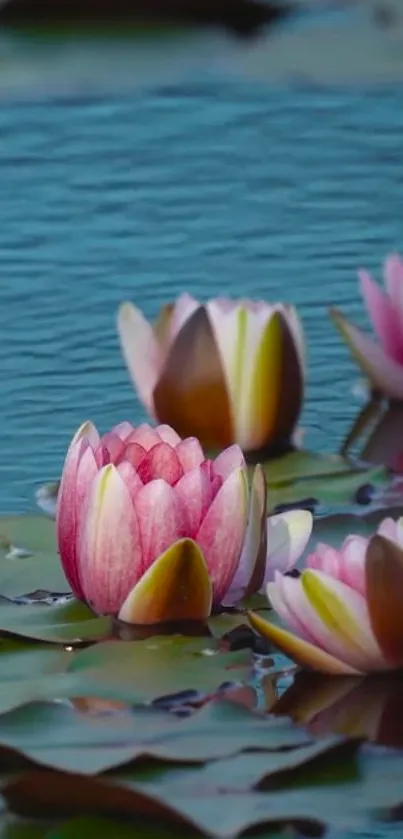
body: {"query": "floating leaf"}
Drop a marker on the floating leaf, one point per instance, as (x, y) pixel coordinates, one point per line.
(59, 737)
(346, 803)
(41, 570)
(71, 623)
(128, 672)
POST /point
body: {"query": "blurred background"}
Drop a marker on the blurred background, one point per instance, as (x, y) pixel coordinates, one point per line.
(140, 161)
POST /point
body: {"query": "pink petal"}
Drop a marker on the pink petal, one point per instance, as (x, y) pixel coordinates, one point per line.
(361, 650)
(353, 553)
(325, 558)
(184, 307)
(287, 537)
(101, 454)
(145, 436)
(277, 594)
(385, 375)
(131, 478)
(195, 493)
(71, 492)
(66, 516)
(134, 454)
(388, 528)
(384, 317)
(347, 564)
(168, 435)
(393, 274)
(222, 533)
(161, 519)
(123, 430)
(230, 459)
(114, 444)
(141, 352)
(160, 462)
(109, 543)
(190, 453)
(215, 480)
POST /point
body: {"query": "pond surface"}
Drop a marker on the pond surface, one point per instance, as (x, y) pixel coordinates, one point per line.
(211, 184)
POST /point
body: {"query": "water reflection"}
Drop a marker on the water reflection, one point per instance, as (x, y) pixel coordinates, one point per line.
(376, 436)
(377, 432)
(368, 707)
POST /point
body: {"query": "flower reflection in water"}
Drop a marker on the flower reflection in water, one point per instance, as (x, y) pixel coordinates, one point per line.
(369, 707)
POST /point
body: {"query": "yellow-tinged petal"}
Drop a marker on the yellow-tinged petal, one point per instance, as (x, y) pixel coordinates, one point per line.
(176, 587)
(384, 584)
(332, 611)
(383, 372)
(302, 652)
(343, 612)
(162, 325)
(262, 396)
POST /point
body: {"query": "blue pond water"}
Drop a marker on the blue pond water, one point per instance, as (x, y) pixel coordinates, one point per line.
(212, 185)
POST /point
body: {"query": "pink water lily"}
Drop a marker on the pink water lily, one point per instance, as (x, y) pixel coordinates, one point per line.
(225, 371)
(381, 362)
(343, 614)
(150, 530)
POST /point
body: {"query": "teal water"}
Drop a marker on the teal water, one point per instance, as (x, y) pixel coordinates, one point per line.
(209, 184)
(215, 185)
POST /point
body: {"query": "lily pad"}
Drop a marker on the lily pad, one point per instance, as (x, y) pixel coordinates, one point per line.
(38, 566)
(71, 623)
(130, 672)
(329, 480)
(359, 795)
(60, 737)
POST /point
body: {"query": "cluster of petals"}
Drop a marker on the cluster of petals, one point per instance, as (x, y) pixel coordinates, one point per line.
(225, 371)
(382, 361)
(149, 530)
(343, 613)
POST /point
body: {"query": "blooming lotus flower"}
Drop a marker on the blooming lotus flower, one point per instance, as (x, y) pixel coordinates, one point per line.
(225, 371)
(382, 363)
(345, 610)
(151, 531)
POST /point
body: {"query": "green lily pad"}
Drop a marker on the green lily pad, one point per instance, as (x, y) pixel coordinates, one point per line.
(60, 737)
(325, 479)
(137, 671)
(368, 787)
(70, 623)
(17, 660)
(129, 671)
(28, 557)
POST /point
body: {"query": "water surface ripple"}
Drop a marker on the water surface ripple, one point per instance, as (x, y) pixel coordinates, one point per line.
(224, 187)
